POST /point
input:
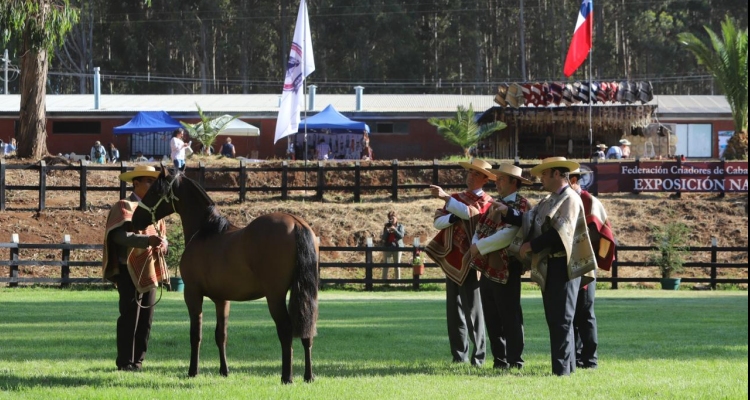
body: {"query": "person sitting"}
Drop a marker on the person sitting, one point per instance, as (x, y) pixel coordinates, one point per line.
(625, 148)
(139, 157)
(367, 153)
(614, 153)
(227, 149)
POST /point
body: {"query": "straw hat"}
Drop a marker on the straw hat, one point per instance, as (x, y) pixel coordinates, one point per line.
(601, 146)
(480, 166)
(554, 162)
(138, 171)
(512, 171)
(578, 172)
(625, 142)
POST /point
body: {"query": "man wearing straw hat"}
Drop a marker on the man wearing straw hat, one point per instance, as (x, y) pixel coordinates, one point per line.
(603, 243)
(500, 286)
(456, 221)
(599, 153)
(133, 261)
(554, 242)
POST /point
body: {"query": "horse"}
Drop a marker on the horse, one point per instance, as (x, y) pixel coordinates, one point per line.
(272, 255)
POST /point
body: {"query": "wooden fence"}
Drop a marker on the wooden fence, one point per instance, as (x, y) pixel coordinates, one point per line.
(317, 170)
(65, 264)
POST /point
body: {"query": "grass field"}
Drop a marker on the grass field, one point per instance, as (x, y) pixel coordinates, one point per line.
(59, 344)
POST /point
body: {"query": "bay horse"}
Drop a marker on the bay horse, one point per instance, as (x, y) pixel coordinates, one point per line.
(272, 255)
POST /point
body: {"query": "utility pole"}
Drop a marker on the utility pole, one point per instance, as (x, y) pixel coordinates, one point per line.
(5, 71)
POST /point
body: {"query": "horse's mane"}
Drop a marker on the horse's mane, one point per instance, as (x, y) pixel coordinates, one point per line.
(215, 223)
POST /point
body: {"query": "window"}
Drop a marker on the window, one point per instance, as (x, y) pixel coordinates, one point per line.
(694, 140)
(77, 127)
(389, 127)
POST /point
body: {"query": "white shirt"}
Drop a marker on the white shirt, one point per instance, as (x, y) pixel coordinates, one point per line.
(456, 208)
(500, 239)
(178, 148)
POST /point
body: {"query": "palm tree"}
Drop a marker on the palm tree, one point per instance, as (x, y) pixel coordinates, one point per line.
(463, 130)
(726, 59)
(206, 131)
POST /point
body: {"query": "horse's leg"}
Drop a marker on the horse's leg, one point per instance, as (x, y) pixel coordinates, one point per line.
(280, 315)
(222, 319)
(194, 302)
(307, 344)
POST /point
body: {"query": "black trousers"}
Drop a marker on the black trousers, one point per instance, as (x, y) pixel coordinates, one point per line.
(559, 298)
(464, 316)
(504, 318)
(134, 323)
(584, 328)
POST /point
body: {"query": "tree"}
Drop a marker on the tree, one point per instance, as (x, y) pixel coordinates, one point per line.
(41, 26)
(206, 131)
(726, 59)
(463, 130)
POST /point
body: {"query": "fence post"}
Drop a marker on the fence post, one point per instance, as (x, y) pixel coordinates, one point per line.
(357, 187)
(368, 267)
(614, 270)
(123, 186)
(65, 270)
(435, 172)
(714, 243)
(284, 180)
(83, 169)
(42, 184)
(321, 182)
(394, 180)
(13, 260)
(202, 174)
(415, 282)
(243, 180)
(2, 184)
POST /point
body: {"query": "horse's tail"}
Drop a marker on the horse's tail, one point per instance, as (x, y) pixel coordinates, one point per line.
(303, 303)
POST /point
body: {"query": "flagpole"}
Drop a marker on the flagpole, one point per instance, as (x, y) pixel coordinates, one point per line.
(591, 87)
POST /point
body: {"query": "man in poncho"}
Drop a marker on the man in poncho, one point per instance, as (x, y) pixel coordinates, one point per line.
(133, 261)
(456, 221)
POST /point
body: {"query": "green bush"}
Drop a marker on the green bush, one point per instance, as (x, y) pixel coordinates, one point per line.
(671, 247)
(176, 247)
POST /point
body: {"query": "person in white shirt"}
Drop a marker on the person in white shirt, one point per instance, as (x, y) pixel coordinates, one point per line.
(177, 146)
(322, 150)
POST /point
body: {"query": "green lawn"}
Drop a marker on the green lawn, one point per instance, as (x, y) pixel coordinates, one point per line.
(59, 344)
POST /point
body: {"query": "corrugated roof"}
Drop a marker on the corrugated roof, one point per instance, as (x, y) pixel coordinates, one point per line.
(266, 105)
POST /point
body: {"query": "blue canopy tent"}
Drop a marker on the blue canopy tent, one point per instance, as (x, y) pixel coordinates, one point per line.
(331, 121)
(343, 135)
(152, 129)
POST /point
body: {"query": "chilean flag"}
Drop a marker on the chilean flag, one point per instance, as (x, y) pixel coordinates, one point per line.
(581, 42)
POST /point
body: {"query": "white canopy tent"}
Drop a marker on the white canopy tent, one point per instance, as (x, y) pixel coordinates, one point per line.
(237, 127)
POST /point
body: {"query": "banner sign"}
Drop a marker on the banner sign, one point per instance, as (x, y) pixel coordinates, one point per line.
(666, 176)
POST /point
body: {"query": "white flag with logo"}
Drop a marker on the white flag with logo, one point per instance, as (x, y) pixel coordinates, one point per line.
(300, 65)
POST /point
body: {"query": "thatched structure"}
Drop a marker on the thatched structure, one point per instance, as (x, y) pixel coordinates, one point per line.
(538, 132)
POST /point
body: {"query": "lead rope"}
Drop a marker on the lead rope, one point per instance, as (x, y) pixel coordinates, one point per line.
(162, 266)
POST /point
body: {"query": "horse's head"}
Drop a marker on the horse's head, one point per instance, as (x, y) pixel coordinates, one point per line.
(159, 202)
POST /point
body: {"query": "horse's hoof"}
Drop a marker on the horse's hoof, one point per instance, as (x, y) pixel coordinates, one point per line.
(192, 374)
(286, 381)
(224, 373)
(310, 379)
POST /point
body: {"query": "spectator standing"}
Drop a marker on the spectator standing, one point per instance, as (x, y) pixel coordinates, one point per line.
(322, 150)
(456, 221)
(227, 149)
(114, 153)
(98, 153)
(392, 236)
(599, 154)
(614, 153)
(178, 148)
(625, 148)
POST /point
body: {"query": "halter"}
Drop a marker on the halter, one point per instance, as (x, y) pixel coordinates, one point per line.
(166, 197)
